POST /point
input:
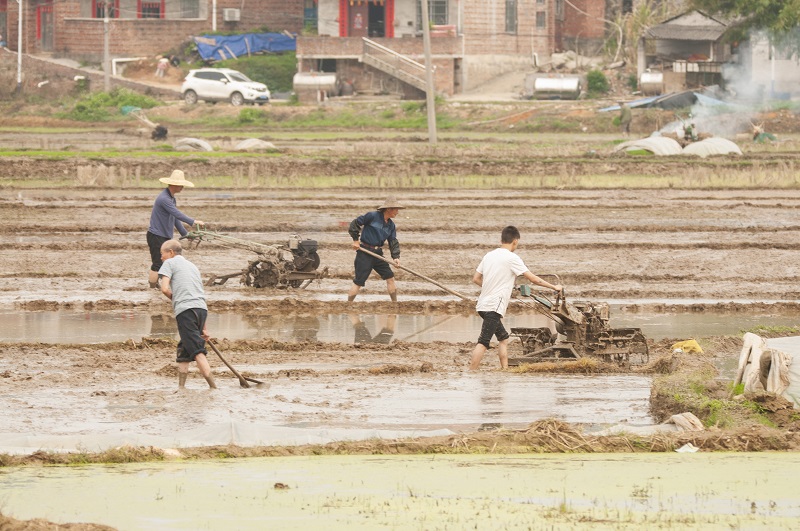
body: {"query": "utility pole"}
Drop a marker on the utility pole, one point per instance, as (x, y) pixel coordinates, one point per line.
(19, 48)
(106, 53)
(430, 92)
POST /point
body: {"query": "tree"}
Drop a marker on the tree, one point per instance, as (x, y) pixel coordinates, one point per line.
(778, 17)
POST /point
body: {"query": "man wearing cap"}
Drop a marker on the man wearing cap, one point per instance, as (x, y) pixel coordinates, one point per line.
(370, 232)
(164, 219)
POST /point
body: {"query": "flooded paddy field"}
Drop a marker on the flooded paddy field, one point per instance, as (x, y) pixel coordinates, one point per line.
(579, 491)
(83, 339)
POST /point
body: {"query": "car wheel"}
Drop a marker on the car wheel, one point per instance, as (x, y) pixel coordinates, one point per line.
(190, 97)
(237, 99)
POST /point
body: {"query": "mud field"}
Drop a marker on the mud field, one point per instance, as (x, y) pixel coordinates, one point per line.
(82, 252)
(79, 372)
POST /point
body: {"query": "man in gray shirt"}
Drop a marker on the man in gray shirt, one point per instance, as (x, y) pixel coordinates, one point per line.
(180, 281)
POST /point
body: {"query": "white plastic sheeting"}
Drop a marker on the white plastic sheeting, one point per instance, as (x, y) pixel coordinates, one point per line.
(192, 144)
(658, 145)
(712, 146)
(784, 374)
(254, 144)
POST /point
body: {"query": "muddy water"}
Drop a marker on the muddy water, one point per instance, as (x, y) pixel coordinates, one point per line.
(68, 327)
(329, 407)
(577, 491)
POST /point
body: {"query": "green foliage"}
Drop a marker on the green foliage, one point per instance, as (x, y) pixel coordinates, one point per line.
(633, 82)
(101, 106)
(773, 331)
(276, 71)
(597, 83)
(779, 17)
(250, 116)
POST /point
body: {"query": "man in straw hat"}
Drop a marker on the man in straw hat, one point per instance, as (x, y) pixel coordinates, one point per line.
(378, 228)
(165, 218)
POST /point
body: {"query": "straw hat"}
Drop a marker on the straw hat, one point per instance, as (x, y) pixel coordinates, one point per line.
(177, 179)
(390, 203)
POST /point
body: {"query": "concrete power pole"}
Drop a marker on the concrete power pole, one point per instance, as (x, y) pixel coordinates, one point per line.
(106, 53)
(19, 48)
(430, 92)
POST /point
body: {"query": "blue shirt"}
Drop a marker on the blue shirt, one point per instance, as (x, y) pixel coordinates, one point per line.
(375, 231)
(166, 217)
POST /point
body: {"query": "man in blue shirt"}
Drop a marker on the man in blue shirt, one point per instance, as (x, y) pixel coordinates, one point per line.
(165, 218)
(370, 232)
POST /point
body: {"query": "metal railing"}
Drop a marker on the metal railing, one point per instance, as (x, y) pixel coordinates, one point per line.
(393, 63)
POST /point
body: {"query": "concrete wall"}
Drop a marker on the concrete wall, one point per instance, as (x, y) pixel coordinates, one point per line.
(489, 51)
(778, 75)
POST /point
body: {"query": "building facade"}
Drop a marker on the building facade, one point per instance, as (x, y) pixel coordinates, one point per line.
(136, 28)
(378, 44)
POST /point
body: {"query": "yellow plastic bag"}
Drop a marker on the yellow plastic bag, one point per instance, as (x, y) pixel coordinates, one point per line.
(689, 346)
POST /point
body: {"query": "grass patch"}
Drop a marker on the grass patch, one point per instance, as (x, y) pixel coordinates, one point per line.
(103, 106)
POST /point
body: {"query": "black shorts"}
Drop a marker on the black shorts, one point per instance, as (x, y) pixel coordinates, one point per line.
(155, 242)
(190, 328)
(364, 264)
(492, 326)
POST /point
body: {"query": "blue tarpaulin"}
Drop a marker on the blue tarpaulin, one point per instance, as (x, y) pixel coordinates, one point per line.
(219, 47)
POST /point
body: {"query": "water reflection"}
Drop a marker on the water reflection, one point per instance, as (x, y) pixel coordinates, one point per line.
(162, 325)
(383, 336)
(64, 326)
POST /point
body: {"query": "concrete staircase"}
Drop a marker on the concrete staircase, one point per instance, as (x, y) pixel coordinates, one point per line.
(395, 64)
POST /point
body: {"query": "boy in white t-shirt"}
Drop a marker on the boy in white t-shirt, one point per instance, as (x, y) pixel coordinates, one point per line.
(496, 275)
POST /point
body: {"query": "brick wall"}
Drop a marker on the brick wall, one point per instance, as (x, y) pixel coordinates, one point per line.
(82, 38)
(484, 28)
(582, 27)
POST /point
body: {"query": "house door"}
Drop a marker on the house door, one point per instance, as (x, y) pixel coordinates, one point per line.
(45, 26)
(366, 18)
(359, 20)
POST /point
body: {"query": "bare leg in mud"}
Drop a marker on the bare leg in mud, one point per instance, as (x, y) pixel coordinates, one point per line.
(391, 288)
(480, 350)
(202, 366)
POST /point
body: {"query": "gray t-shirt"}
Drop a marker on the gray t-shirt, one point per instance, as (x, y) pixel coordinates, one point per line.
(187, 286)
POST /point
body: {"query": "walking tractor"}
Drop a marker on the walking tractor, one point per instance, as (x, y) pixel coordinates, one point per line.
(292, 265)
(581, 331)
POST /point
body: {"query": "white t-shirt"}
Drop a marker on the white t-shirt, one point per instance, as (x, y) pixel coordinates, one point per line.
(500, 269)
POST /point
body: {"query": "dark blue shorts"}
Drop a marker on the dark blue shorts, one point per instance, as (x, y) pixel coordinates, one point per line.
(154, 242)
(190, 328)
(492, 326)
(365, 264)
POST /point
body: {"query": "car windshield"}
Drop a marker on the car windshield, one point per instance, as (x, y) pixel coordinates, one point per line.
(238, 76)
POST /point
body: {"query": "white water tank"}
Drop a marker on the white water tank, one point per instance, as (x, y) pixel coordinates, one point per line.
(549, 86)
(651, 83)
(316, 86)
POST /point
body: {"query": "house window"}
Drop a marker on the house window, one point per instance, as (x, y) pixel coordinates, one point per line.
(541, 19)
(190, 9)
(560, 9)
(151, 9)
(627, 6)
(540, 2)
(437, 10)
(511, 16)
(310, 15)
(99, 8)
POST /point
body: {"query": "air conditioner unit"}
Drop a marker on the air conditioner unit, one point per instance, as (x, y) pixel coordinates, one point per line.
(230, 14)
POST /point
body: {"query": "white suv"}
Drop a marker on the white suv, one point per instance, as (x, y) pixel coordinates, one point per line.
(222, 84)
